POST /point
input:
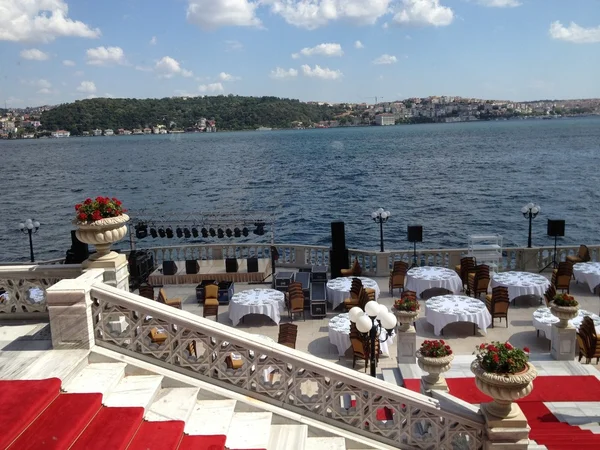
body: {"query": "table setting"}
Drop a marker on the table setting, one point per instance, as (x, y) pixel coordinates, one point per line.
(338, 289)
(420, 279)
(339, 334)
(543, 319)
(445, 309)
(268, 302)
(521, 283)
(588, 273)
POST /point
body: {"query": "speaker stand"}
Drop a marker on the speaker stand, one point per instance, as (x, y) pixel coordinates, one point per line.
(552, 263)
(414, 264)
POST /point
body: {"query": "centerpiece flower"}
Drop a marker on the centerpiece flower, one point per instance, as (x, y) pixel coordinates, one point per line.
(406, 311)
(101, 223)
(503, 372)
(565, 307)
(434, 357)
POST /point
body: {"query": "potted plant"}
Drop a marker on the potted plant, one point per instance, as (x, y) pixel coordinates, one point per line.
(434, 357)
(101, 223)
(565, 307)
(503, 372)
(406, 311)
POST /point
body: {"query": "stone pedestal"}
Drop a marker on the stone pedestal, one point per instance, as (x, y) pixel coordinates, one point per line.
(406, 344)
(507, 434)
(116, 270)
(564, 343)
(383, 264)
(530, 260)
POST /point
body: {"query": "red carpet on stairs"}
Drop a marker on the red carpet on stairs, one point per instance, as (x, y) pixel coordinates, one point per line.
(203, 442)
(112, 428)
(158, 436)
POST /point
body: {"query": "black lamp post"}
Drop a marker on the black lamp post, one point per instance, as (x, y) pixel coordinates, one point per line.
(370, 322)
(530, 211)
(30, 226)
(380, 216)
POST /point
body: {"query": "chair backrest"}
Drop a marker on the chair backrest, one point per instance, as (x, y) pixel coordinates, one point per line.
(294, 285)
(565, 268)
(288, 328)
(408, 294)
(297, 302)
(584, 253)
(147, 291)
(211, 291)
(500, 306)
(587, 332)
(500, 293)
(400, 267)
(482, 276)
(549, 294)
(358, 347)
(162, 296)
(356, 283)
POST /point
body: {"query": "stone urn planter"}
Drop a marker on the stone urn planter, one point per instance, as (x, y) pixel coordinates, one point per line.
(102, 234)
(504, 389)
(405, 319)
(435, 367)
(564, 314)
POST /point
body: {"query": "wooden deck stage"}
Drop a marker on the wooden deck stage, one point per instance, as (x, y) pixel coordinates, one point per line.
(213, 270)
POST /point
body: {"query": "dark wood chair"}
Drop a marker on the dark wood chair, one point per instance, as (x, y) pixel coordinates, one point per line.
(359, 351)
(146, 290)
(561, 277)
(287, 334)
(297, 305)
(162, 298)
(589, 345)
(498, 303)
(479, 281)
(211, 301)
(583, 255)
(466, 266)
(353, 271)
(397, 276)
(293, 288)
(549, 296)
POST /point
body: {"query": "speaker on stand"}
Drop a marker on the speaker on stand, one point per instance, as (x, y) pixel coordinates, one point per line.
(415, 234)
(338, 256)
(556, 229)
(78, 252)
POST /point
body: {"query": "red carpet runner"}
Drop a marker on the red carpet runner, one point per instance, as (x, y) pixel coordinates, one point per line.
(546, 429)
(34, 415)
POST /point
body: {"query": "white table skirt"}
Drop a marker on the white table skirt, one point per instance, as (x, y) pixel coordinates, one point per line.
(267, 302)
(445, 309)
(521, 283)
(339, 335)
(419, 279)
(543, 320)
(588, 273)
(338, 289)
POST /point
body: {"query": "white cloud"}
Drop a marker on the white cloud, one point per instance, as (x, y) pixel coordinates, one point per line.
(211, 14)
(385, 59)
(45, 91)
(89, 87)
(212, 87)
(500, 3)
(68, 62)
(34, 54)
(358, 44)
(78, 73)
(144, 68)
(326, 49)
(574, 33)
(423, 13)
(279, 73)
(39, 21)
(44, 84)
(153, 41)
(321, 72)
(232, 45)
(223, 76)
(105, 56)
(312, 14)
(168, 67)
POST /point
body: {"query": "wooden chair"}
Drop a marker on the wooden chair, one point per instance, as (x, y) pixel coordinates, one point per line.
(355, 291)
(583, 255)
(589, 345)
(353, 271)
(294, 287)
(498, 303)
(211, 301)
(478, 281)
(397, 276)
(297, 305)
(549, 296)
(466, 266)
(287, 334)
(158, 335)
(162, 298)
(359, 351)
(561, 277)
(146, 290)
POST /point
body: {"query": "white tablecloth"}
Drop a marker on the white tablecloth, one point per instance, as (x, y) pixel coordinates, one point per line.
(445, 309)
(588, 273)
(543, 320)
(339, 335)
(268, 302)
(338, 289)
(420, 279)
(521, 283)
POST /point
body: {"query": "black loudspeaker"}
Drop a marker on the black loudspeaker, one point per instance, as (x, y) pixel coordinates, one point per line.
(338, 236)
(415, 233)
(338, 261)
(191, 266)
(556, 228)
(78, 252)
(169, 268)
(231, 265)
(252, 265)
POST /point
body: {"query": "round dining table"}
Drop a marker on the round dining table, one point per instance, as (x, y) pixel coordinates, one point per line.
(521, 283)
(268, 302)
(419, 279)
(338, 289)
(446, 309)
(543, 319)
(588, 273)
(339, 335)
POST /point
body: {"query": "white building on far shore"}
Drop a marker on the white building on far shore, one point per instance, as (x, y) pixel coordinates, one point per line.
(385, 119)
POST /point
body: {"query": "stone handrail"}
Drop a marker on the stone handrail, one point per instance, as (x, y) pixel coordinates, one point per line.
(25, 287)
(273, 373)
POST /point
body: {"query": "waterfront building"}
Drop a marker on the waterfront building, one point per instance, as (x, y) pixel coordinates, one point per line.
(385, 119)
(61, 134)
(109, 132)
(147, 130)
(97, 132)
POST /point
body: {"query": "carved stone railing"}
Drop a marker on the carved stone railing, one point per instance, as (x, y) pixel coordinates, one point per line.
(23, 287)
(276, 374)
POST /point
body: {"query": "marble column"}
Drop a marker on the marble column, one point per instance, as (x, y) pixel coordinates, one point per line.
(529, 262)
(406, 346)
(383, 264)
(116, 270)
(509, 434)
(564, 343)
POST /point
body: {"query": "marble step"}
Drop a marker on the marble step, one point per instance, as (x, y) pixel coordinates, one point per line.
(249, 430)
(98, 377)
(173, 404)
(285, 437)
(134, 390)
(594, 427)
(392, 376)
(325, 443)
(210, 417)
(60, 364)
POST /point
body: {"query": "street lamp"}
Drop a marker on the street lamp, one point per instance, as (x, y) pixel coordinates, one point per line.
(380, 216)
(31, 226)
(371, 321)
(530, 211)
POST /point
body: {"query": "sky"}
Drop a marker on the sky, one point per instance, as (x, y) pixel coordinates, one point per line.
(57, 51)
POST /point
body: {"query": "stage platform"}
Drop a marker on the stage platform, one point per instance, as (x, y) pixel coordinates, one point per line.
(213, 270)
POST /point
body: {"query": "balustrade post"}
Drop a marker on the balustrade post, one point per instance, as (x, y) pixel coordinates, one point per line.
(383, 264)
(116, 271)
(529, 259)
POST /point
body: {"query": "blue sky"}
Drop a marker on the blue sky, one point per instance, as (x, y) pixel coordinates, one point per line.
(56, 51)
